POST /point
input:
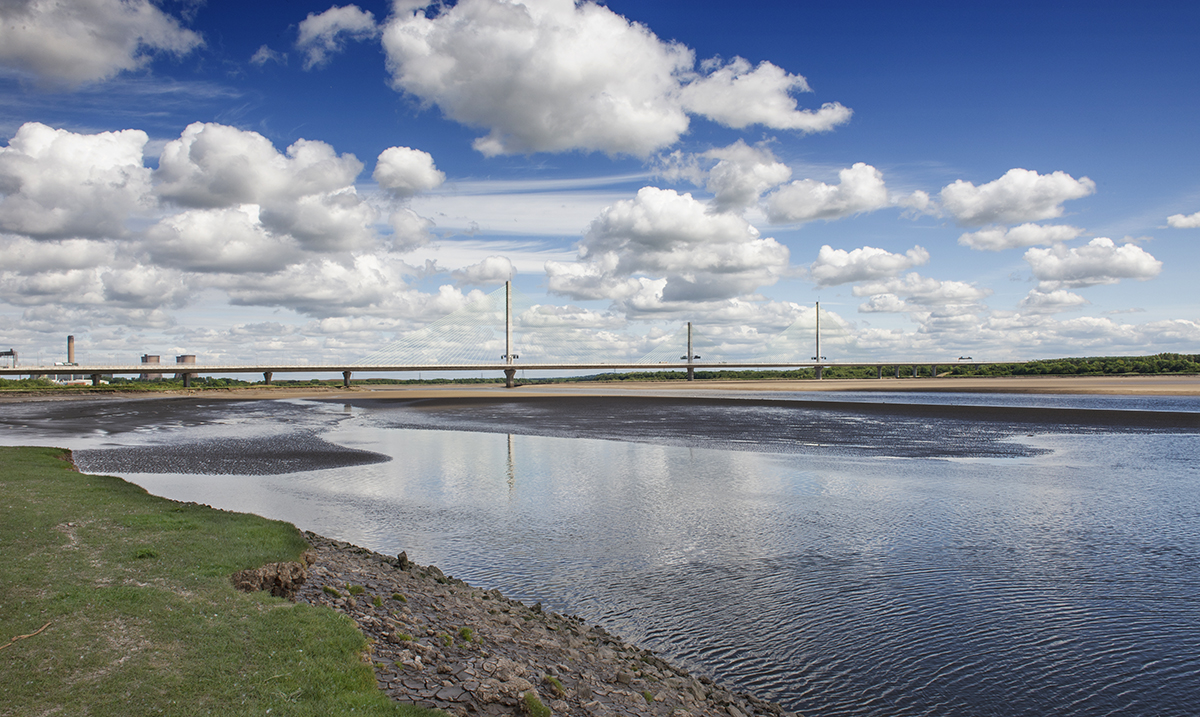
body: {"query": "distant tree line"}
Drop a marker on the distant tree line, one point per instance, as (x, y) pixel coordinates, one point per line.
(1166, 363)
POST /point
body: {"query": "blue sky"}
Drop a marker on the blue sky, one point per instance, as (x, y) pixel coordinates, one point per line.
(306, 181)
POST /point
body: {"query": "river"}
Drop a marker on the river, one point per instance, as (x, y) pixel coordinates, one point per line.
(861, 554)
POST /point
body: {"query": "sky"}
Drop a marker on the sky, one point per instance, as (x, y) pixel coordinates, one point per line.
(305, 182)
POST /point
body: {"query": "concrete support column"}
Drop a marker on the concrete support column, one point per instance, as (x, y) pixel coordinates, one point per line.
(897, 370)
(267, 377)
(510, 375)
(933, 372)
(691, 374)
(914, 370)
(95, 379)
(879, 371)
(345, 379)
(187, 380)
(820, 370)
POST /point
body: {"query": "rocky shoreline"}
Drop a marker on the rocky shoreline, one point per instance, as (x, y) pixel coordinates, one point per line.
(438, 642)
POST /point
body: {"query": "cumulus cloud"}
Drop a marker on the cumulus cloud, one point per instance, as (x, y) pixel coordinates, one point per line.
(145, 287)
(72, 43)
(57, 184)
(1021, 195)
(1100, 261)
(27, 256)
(924, 291)
(409, 230)
(741, 175)
(324, 35)
(884, 304)
(492, 270)
(320, 287)
(737, 96)
(214, 165)
(1038, 302)
(307, 193)
(553, 75)
(1184, 221)
(332, 221)
(838, 266)
(1000, 238)
(860, 189)
(219, 240)
(404, 172)
(665, 246)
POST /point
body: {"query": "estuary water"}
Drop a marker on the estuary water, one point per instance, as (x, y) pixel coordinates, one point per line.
(853, 555)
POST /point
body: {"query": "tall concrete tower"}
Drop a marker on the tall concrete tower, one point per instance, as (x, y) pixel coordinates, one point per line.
(71, 350)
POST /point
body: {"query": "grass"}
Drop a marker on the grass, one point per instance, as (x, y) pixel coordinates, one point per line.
(141, 617)
(534, 706)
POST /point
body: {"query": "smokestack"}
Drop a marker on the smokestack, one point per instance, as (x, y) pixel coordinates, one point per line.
(71, 350)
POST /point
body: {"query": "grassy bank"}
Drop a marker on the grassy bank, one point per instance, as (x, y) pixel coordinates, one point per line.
(138, 612)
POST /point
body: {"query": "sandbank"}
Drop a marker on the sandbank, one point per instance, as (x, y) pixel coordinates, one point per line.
(1135, 385)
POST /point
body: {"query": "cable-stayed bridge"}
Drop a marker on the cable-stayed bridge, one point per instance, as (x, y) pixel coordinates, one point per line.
(504, 332)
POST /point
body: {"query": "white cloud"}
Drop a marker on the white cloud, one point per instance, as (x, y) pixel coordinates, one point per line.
(409, 230)
(553, 76)
(1021, 195)
(838, 266)
(319, 287)
(1100, 261)
(27, 256)
(861, 189)
(999, 238)
(324, 35)
(1037, 302)
(736, 96)
(665, 246)
(742, 175)
(264, 54)
(333, 221)
(72, 43)
(492, 270)
(404, 172)
(219, 240)
(307, 193)
(145, 287)
(917, 289)
(885, 304)
(214, 165)
(57, 184)
(1184, 221)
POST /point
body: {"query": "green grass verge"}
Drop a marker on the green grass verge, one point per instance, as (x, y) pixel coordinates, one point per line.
(142, 616)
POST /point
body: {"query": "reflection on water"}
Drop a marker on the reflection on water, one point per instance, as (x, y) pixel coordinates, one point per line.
(512, 467)
(1051, 584)
(1060, 581)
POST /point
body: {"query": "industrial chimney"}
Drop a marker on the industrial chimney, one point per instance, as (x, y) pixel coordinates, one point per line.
(71, 350)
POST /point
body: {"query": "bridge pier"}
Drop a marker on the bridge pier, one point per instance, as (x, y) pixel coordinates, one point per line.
(95, 379)
(897, 370)
(345, 379)
(691, 374)
(819, 370)
(879, 371)
(915, 368)
(267, 378)
(933, 372)
(510, 375)
(187, 380)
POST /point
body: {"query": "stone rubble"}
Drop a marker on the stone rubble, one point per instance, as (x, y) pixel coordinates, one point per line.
(437, 642)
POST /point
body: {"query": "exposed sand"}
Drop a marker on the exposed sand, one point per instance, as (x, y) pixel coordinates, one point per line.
(1095, 385)
(1098, 385)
